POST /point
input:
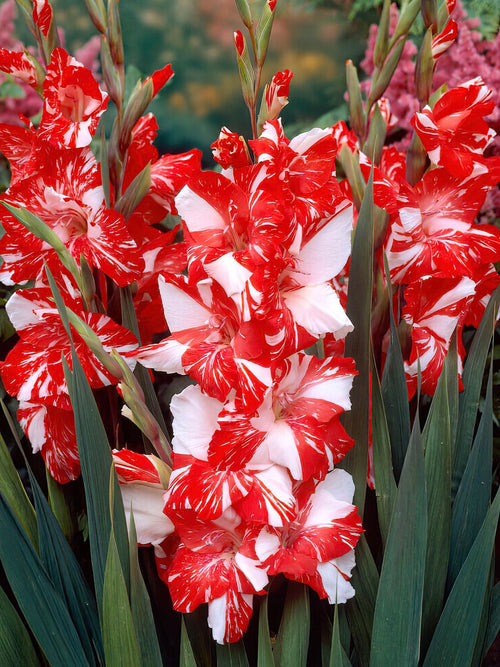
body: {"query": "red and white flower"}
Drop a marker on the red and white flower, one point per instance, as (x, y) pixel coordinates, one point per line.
(73, 102)
(454, 133)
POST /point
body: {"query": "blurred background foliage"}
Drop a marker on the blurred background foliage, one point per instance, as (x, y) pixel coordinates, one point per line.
(310, 38)
(313, 38)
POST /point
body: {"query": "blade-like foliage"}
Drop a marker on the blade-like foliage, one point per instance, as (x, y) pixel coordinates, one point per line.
(360, 609)
(338, 657)
(395, 397)
(16, 647)
(455, 636)
(232, 655)
(292, 641)
(40, 602)
(472, 380)
(357, 345)
(118, 631)
(494, 617)
(473, 495)
(385, 484)
(66, 574)
(186, 653)
(140, 605)
(436, 439)
(13, 491)
(199, 635)
(398, 609)
(264, 649)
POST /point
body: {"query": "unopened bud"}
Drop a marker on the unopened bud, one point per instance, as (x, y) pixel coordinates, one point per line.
(424, 69)
(264, 30)
(406, 19)
(416, 159)
(245, 12)
(239, 42)
(384, 76)
(430, 14)
(376, 136)
(135, 193)
(382, 41)
(97, 13)
(230, 150)
(114, 33)
(357, 116)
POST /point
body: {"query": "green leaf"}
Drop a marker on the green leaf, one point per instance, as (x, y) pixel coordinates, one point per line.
(338, 657)
(360, 609)
(452, 380)
(292, 641)
(13, 491)
(9, 89)
(472, 380)
(398, 609)
(385, 484)
(357, 345)
(395, 397)
(455, 636)
(187, 658)
(66, 575)
(59, 506)
(494, 618)
(16, 647)
(264, 649)
(40, 603)
(232, 655)
(473, 495)
(129, 320)
(141, 607)
(436, 438)
(199, 635)
(118, 631)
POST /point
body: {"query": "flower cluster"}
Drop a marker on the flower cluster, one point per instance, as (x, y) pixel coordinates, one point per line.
(56, 178)
(253, 490)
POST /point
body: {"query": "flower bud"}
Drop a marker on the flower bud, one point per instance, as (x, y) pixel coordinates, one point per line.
(429, 14)
(382, 41)
(97, 13)
(245, 68)
(416, 159)
(276, 95)
(424, 69)
(384, 76)
(264, 30)
(406, 19)
(357, 116)
(230, 150)
(114, 33)
(245, 12)
(376, 136)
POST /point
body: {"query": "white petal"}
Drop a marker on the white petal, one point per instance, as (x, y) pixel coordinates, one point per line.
(252, 571)
(195, 420)
(181, 310)
(229, 273)
(339, 590)
(325, 255)
(151, 524)
(197, 212)
(317, 308)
